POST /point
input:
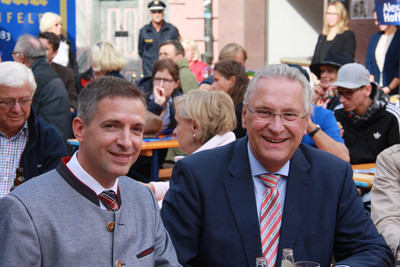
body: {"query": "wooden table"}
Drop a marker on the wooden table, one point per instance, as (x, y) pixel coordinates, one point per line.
(302, 61)
(364, 174)
(150, 148)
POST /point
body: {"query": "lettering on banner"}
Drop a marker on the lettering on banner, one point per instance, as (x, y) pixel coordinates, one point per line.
(391, 13)
(25, 2)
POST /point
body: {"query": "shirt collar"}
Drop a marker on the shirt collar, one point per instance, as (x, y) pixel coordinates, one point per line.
(257, 169)
(24, 130)
(75, 167)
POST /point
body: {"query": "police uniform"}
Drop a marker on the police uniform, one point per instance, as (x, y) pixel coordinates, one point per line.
(150, 40)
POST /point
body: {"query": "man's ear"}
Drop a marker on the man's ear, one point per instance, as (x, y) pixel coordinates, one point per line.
(244, 112)
(78, 127)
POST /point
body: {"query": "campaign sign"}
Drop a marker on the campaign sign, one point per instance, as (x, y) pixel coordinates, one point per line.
(18, 17)
(388, 12)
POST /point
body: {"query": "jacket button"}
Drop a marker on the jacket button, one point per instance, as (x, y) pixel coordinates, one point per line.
(110, 226)
(118, 263)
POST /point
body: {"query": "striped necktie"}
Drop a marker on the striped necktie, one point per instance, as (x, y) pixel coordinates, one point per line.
(109, 199)
(270, 218)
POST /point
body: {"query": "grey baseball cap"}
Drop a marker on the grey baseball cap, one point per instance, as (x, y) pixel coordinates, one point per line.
(352, 76)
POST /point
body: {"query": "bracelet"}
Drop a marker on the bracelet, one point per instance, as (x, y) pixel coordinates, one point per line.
(317, 128)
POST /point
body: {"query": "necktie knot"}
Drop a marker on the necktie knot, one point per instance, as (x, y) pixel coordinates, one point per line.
(270, 180)
(109, 199)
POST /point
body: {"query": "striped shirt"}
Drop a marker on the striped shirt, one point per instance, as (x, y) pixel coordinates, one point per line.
(10, 155)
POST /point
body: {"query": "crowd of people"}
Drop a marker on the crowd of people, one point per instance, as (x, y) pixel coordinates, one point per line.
(263, 164)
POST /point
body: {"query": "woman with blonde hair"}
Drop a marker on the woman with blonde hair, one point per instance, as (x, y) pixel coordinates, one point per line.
(336, 35)
(106, 60)
(192, 54)
(52, 22)
(205, 120)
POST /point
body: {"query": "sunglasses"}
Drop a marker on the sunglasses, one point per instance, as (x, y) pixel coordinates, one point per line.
(157, 11)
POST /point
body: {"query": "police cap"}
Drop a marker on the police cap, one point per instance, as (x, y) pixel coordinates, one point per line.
(156, 6)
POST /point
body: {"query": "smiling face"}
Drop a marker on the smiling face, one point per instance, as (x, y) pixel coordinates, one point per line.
(113, 140)
(13, 118)
(328, 75)
(274, 143)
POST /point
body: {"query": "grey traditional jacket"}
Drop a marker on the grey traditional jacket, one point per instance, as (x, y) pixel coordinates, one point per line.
(53, 220)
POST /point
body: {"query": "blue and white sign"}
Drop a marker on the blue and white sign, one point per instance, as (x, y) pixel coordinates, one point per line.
(18, 17)
(388, 11)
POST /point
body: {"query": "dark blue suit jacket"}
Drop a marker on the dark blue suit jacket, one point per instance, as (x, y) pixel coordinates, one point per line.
(391, 66)
(210, 211)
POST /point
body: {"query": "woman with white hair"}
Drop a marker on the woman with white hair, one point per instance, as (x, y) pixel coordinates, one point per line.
(106, 60)
(205, 120)
(52, 22)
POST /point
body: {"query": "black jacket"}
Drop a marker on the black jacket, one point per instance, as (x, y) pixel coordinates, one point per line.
(44, 148)
(150, 41)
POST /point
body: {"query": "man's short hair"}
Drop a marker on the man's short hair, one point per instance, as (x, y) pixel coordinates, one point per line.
(30, 46)
(105, 87)
(53, 39)
(229, 52)
(179, 50)
(15, 75)
(282, 71)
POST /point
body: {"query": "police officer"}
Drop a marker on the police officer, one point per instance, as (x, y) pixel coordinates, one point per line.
(153, 34)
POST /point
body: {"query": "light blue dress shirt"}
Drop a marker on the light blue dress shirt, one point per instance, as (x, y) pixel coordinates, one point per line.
(259, 187)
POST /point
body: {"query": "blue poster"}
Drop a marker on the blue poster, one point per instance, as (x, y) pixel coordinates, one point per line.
(388, 11)
(18, 17)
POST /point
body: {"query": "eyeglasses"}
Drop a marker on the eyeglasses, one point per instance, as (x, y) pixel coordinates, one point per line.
(347, 94)
(331, 14)
(15, 54)
(267, 116)
(10, 103)
(157, 11)
(165, 81)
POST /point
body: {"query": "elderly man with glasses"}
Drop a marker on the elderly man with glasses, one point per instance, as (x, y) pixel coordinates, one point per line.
(153, 34)
(28, 145)
(267, 191)
(370, 123)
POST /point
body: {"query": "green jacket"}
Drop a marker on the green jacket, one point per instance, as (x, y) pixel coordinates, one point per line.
(187, 79)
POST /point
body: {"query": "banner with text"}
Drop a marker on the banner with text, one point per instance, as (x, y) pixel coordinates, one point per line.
(18, 17)
(388, 12)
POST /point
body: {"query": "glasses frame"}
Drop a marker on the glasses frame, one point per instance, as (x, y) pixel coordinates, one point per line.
(165, 81)
(23, 102)
(15, 54)
(272, 115)
(157, 11)
(348, 94)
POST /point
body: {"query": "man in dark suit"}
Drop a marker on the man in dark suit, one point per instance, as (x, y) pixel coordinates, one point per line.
(218, 198)
(51, 42)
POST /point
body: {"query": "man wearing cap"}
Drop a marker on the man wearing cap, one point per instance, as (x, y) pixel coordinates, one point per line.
(326, 71)
(370, 122)
(153, 34)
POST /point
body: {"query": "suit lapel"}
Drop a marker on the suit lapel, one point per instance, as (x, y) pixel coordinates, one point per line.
(298, 194)
(239, 189)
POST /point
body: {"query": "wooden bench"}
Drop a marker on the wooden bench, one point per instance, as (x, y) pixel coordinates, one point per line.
(164, 174)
